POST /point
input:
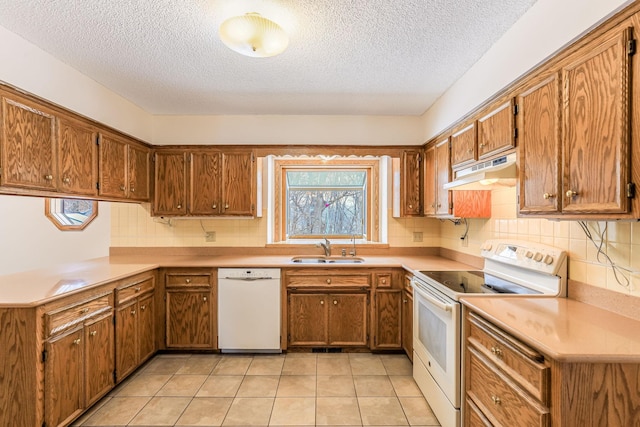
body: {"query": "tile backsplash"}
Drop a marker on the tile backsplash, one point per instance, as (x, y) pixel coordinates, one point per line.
(133, 226)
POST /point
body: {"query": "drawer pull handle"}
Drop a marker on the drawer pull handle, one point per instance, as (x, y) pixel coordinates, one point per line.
(133, 312)
(335, 302)
(328, 281)
(187, 280)
(496, 351)
(138, 289)
(84, 311)
(496, 400)
(321, 302)
(76, 341)
(384, 281)
(93, 333)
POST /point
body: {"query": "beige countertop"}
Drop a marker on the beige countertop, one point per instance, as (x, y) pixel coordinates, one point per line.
(40, 286)
(563, 329)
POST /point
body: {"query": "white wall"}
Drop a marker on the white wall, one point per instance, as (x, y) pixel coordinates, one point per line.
(28, 240)
(544, 29)
(293, 129)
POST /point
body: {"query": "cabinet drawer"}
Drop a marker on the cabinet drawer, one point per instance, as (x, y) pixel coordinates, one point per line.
(474, 416)
(333, 280)
(133, 290)
(518, 360)
(383, 280)
(181, 280)
(499, 398)
(69, 316)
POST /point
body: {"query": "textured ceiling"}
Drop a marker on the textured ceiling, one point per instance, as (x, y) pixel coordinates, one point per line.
(391, 57)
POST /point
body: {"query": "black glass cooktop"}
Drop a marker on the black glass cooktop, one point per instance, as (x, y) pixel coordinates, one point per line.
(476, 282)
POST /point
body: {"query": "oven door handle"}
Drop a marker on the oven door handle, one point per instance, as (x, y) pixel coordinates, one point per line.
(434, 301)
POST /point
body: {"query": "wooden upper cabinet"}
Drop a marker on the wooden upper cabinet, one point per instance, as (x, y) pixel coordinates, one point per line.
(496, 130)
(205, 194)
(443, 176)
(238, 183)
(124, 168)
(138, 173)
(463, 146)
(429, 171)
(411, 183)
(596, 126)
(78, 157)
(28, 141)
(539, 147)
(170, 191)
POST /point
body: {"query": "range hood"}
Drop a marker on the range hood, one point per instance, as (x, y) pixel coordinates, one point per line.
(500, 171)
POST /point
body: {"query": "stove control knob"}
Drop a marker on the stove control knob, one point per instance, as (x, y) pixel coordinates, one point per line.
(537, 257)
(548, 260)
(529, 254)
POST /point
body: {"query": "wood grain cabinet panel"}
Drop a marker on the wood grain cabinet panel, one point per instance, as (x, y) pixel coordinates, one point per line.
(411, 183)
(496, 130)
(28, 144)
(443, 176)
(308, 319)
(123, 166)
(464, 146)
(429, 173)
(388, 324)
(138, 173)
(238, 183)
(170, 189)
(99, 361)
(407, 317)
(206, 191)
(78, 157)
(596, 126)
(189, 319)
(539, 144)
(348, 315)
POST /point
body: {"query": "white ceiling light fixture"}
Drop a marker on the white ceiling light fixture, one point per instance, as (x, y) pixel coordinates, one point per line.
(253, 35)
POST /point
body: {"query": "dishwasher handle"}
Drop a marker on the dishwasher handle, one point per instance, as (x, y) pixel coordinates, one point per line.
(248, 279)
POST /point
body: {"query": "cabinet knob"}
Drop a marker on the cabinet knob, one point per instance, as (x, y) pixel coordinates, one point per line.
(321, 302)
(133, 312)
(76, 341)
(137, 289)
(84, 311)
(571, 193)
(132, 189)
(496, 351)
(66, 180)
(226, 205)
(496, 400)
(439, 205)
(410, 206)
(384, 281)
(187, 280)
(214, 206)
(143, 307)
(328, 281)
(469, 150)
(122, 187)
(482, 145)
(93, 333)
(179, 206)
(204, 299)
(48, 177)
(335, 302)
(405, 301)
(548, 196)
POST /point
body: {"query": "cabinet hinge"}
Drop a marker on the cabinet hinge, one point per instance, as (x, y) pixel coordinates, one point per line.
(44, 424)
(515, 110)
(44, 356)
(253, 207)
(631, 190)
(97, 186)
(253, 157)
(98, 140)
(115, 376)
(515, 133)
(631, 47)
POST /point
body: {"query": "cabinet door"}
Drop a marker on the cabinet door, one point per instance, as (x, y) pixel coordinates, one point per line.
(63, 382)
(189, 319)
(99, 358)
(126, 339)
(170, 193)
(596, 127)
(495, 131)
(407, 324)
(411, 191)
(205, 183)
(238, 183)
(27, 144)
(463, 146)
(388, 327)
(308, 319)
(138, 173)
(78, 157)
(112, 158)
(348, 319)
(539, 134)
(429, 171)
(443, 176)
(146, 327)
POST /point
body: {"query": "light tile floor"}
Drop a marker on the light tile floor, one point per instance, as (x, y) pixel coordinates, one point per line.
(296, 389)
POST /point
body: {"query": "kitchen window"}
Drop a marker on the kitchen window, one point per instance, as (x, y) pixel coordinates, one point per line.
(70, 214)
(336, 198)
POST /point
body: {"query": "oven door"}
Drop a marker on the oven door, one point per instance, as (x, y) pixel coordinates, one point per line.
(436, 337)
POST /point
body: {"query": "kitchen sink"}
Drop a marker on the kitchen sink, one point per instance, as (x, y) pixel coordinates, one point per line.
(326, 260)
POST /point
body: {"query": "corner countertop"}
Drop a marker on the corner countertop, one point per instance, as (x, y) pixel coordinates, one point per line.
(40, 286)
(563, 329)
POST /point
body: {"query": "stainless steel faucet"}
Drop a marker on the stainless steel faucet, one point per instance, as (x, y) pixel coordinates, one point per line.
(326, 246)
(353, 251)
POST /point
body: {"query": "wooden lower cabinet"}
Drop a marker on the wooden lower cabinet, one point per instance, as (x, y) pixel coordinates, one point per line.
(99, 358)
(190, 309)
(407, 317)
(388, 313)
(135, 325)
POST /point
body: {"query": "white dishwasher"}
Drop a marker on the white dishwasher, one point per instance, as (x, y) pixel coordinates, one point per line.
(249, 310)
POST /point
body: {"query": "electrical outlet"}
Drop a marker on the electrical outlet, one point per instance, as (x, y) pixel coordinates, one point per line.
(210, 236)
(417, 236)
